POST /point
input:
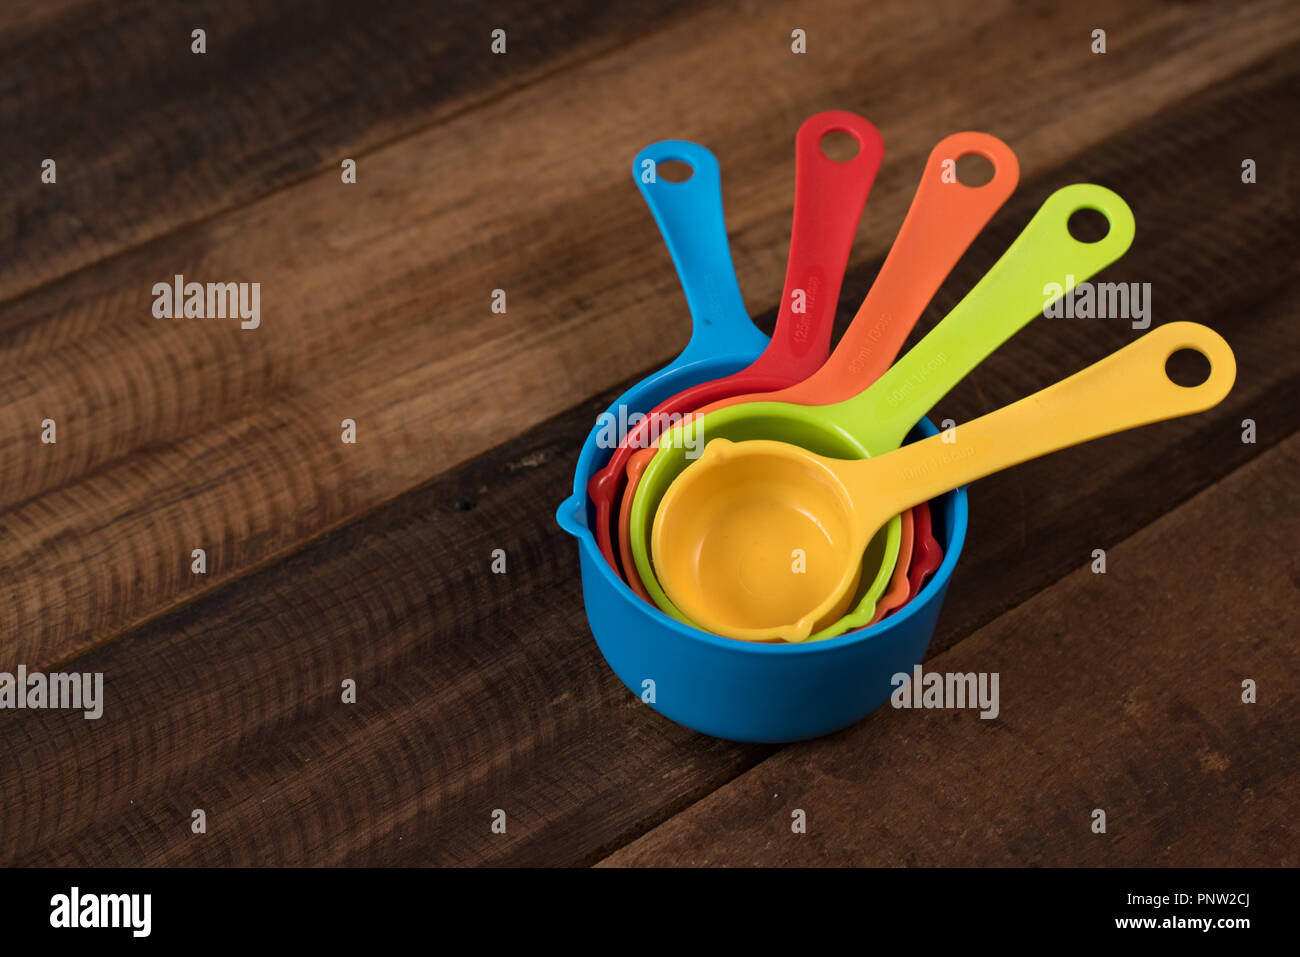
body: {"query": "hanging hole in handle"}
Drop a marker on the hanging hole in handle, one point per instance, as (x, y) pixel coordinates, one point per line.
(974, 170)
(1187, 368)
(839, 147)
(675, 171)
(1088, 225)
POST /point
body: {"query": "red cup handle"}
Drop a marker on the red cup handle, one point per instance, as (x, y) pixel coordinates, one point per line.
(828, 199)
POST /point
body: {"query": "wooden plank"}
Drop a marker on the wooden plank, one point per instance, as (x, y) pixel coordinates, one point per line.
(475, 692)
(183, 434)
(150, 137)
(1120, 691)
(29, 13)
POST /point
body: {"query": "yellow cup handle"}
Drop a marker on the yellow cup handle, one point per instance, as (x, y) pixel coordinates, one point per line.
(1127, 389)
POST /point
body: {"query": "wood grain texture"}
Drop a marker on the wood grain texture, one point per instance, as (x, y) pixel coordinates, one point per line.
(475, 692)
(177, 434)
(1120, 691)
(150, 137)
(479, 691)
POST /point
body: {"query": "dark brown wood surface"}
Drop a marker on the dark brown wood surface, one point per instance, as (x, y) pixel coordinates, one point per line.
(371, 562)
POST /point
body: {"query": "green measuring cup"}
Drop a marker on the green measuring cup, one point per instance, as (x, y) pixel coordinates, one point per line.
(1007, 298)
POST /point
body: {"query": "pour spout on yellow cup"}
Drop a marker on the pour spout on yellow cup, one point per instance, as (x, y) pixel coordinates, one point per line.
(762, 540)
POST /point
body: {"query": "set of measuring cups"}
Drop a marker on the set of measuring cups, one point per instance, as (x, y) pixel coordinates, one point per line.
(767, 528)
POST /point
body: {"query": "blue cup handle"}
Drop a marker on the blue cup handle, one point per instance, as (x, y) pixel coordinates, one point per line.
(690, 218)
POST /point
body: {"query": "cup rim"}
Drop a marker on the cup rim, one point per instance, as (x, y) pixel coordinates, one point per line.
(957, 499)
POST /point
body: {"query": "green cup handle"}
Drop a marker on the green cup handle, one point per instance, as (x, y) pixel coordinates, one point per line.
(1043, 259)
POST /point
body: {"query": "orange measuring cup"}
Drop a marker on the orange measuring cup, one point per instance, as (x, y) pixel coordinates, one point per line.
(927, 554)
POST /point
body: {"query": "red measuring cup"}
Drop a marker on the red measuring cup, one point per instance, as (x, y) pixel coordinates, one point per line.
(927, 554)
(828, 199)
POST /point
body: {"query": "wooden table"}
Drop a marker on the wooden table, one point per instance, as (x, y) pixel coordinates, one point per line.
(329, 562)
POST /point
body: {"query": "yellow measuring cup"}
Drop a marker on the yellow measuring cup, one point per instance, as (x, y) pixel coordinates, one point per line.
(762, 540)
